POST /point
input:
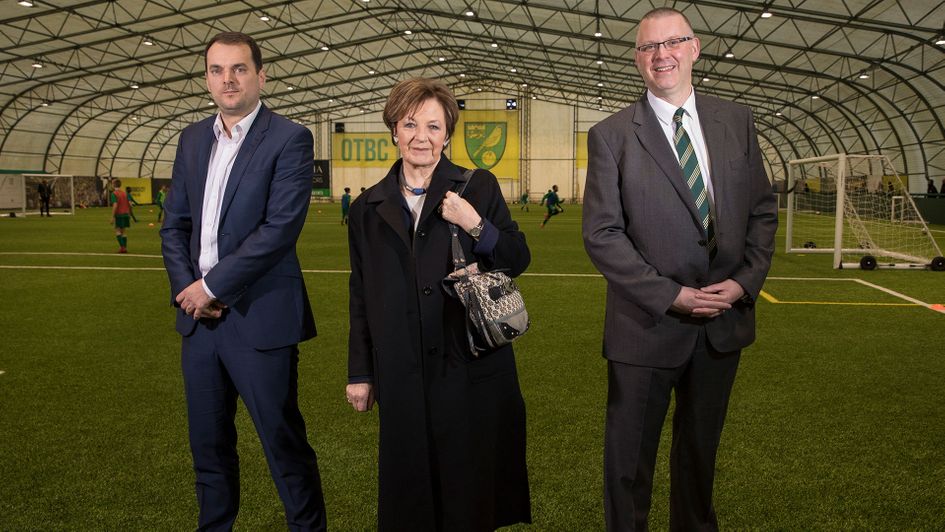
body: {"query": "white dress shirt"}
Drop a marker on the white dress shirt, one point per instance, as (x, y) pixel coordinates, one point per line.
(664, 112)
(222, 157)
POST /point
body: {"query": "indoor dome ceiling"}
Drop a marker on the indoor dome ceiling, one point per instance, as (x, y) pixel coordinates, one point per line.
(118, 79)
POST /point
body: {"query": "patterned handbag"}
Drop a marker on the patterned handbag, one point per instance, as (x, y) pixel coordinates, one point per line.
(495, 309)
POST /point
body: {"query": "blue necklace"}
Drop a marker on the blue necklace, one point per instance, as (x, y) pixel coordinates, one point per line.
(415, 191)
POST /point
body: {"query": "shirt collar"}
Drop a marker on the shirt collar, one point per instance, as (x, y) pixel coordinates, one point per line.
(239, 130)
(664, 110)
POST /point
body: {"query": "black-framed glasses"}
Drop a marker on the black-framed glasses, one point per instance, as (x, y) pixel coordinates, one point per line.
(668, 44)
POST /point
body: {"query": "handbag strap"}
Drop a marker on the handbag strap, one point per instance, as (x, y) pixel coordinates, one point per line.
(459, 258)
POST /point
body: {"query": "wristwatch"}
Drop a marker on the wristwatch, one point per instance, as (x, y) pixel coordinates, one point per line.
(476, 231)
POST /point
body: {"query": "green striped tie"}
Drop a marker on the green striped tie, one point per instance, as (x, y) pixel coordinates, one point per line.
(693, 175)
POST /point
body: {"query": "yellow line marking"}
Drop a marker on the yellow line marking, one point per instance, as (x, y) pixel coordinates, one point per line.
(770, 298)
(912, 302)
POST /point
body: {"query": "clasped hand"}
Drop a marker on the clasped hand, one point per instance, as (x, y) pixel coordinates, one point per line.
(709, 301)
(195, 302)
(457, 210)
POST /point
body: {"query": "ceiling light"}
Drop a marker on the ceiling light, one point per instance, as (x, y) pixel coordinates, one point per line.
(479, 89)
(148, 41)
(470, 13)
(45, 103)
(442, 59)
(599, 84)
(600, 108)
(134, 85)
(940, 42)
(494, 45)
(767, 14)
(408, 32)
(598, 34)
(600, 97)
(864, 76)
(524, 84)
(729, 55)
(778, 113)
(324, 47)
(37, 64)
(24, 3)
(370, 71)
(264, 18)
(291, 88)
(600, 61)
(815, 97)
(534, 97)
(462, 75)
(135, 118)
(705, 79)
(513, 70)
(210, 103)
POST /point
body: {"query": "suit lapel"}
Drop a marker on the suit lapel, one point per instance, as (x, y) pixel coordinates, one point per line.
(255, 136)
(390, 203)
(651, 136)
(204, 148)
(714, 133)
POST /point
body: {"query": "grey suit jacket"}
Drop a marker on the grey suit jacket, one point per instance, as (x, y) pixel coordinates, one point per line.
(642, 232)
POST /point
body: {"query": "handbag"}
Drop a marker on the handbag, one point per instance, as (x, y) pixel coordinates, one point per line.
(495, 309)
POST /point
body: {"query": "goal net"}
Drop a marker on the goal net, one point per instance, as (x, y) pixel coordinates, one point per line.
(19, 193)
(858, 209)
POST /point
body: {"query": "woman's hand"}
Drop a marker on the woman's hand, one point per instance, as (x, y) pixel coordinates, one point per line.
(458, 211)
(360, 395)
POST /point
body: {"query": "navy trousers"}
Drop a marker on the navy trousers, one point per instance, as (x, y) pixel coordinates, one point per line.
(637, 401)
(218, 367)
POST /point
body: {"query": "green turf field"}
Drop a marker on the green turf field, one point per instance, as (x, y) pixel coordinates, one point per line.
(836, 423)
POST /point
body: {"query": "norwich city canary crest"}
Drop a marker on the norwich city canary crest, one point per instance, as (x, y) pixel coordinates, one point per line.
(485, 142)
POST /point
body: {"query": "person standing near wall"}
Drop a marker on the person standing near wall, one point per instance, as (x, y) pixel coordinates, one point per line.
(345, 205)
(45, 195)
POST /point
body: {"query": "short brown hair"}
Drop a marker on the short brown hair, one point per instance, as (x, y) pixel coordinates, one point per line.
(235, 37)
(408, 95)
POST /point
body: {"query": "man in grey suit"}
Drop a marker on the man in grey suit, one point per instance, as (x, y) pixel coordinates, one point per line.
(680, 219)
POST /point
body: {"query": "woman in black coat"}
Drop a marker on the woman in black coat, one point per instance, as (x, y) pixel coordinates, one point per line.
(452, 426)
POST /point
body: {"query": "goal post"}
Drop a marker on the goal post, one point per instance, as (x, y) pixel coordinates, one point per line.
(19, 193)
(857, 209)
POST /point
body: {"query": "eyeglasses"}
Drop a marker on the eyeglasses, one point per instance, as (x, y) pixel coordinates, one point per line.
(669, 44)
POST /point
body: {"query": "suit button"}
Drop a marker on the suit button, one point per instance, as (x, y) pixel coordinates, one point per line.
(427, 290)
(703, 243)
(421, 233)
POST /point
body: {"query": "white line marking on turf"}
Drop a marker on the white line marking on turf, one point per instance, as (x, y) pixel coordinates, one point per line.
(118, 268)
(892, 293)
(883, 289)
(78, 254)
(158, 269)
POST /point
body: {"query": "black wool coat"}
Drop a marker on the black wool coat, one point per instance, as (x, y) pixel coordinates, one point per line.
(452, 427)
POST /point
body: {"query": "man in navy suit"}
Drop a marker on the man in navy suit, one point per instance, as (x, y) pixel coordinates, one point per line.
(680, 219)
(239, 194)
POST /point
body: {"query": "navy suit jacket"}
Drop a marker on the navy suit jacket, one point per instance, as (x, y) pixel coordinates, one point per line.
(264, 206)
(642, 231)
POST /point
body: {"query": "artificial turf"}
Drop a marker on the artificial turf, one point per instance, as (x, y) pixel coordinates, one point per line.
(836, 420)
